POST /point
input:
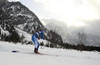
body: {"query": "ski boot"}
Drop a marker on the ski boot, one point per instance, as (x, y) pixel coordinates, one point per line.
(36, 51)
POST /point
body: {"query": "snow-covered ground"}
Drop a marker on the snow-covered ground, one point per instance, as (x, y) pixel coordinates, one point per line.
(66, 57)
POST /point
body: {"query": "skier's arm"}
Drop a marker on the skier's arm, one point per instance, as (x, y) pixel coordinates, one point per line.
(38, 36)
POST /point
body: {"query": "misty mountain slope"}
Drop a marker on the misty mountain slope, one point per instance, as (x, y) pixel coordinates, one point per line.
(16, 13)
(19, 14)
(57, 26)
(69, 34)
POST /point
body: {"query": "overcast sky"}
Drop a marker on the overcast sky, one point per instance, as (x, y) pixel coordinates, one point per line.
(77, 13)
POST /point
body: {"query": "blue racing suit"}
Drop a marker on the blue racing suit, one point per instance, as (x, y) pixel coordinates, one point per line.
(34, 39)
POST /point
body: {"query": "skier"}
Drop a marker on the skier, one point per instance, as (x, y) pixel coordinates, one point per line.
(34, 39)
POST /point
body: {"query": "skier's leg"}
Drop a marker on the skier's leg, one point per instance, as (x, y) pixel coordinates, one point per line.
(37, 46)
(35, 43)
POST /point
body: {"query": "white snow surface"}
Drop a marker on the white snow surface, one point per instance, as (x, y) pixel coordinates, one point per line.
(66, 57)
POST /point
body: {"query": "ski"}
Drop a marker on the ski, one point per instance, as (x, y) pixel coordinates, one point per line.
(47, 54)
